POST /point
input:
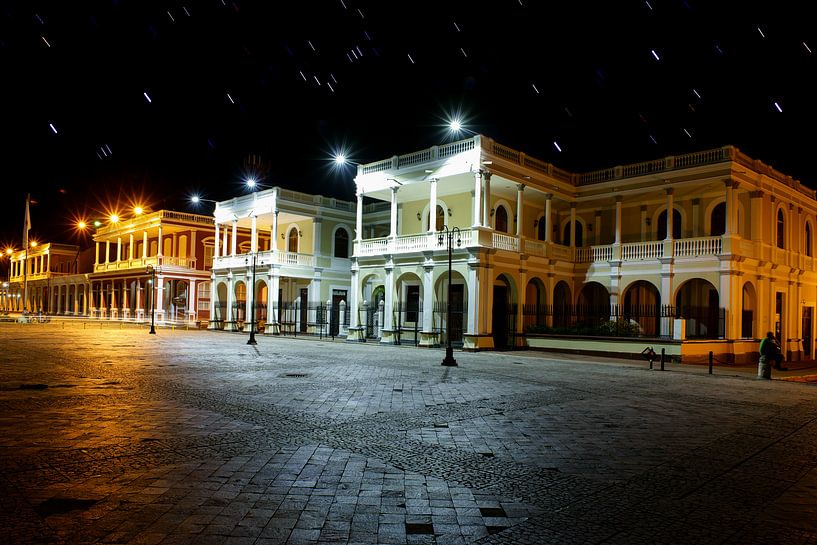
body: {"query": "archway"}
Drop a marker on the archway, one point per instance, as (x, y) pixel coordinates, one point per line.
(458, 302)
(698, 303)
(408, 310)
(562, 305)
(220, 306)
(642, 306)
(239, 309)
(748, 308)
(579, 234)
(534, 311)
(503, 317)
(501, 220)
(661, 227)
(593, 306)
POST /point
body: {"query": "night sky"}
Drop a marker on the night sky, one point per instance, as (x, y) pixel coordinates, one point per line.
(132, 100)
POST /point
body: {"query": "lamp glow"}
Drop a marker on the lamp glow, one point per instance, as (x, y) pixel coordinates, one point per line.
(455, 125)
(114, 218)
(81, 225)
(138, 210)
(251, 183)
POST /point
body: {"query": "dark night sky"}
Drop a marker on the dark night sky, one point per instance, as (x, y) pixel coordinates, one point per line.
(224, 80)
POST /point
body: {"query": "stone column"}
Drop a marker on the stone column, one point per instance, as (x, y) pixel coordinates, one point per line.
(618, 219)
(192, 306)
(217, 240)
(729, 206)
(387, 332)
(130, 248)
(114, 310)
(272, 304)
(224, 245)
(160, 299)
(519, 217)
(356, 333)
(274, 242)
(254, 234)
(125, 301)
(317, 222)
(477, 199)
(144, 244)
(359, 218)
(432, 206)
(573, 225)
(234, 238)
(486, 197)
(393, 217)
(670, 214)
(96, 259)
(159, 249)
(427, 335)
(548, 220)
(212, 324)
(107, 251)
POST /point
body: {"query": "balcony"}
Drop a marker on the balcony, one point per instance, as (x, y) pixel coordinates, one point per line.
(142, 262)
(265, 258)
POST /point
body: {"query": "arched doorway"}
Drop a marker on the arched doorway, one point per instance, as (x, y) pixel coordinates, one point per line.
(220, 306)
(593, 306)
(747, 315)
(534, 311)
(579, 234)
(501, 222)
(717, 221)
(562, 305)
(503, 318)
(239, 310)
(458, 306)
(661, 227)
(698, 303)
(642, 306)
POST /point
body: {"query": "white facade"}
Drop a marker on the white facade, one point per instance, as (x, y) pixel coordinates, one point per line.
(301, 245)
(732, 261)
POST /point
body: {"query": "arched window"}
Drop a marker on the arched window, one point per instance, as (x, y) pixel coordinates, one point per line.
(341, 243)
(579, 234)
(501, 219)
(781, 229)
(661, 229)
(440, 221)
(808, 239)
(540, 229)
(717, 222)
(292, 240)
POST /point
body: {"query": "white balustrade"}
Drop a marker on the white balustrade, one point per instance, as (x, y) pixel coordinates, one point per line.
(689, 247)
(635, 251)
(505, 242)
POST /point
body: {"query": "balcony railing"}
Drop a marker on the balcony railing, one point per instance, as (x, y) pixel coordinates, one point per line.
(264, 258)
(141, 262)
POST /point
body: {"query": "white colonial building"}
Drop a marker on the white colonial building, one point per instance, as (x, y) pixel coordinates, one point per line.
(295, 250)
(540, 246)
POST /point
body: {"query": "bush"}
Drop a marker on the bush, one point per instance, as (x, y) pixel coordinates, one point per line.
(608, 328)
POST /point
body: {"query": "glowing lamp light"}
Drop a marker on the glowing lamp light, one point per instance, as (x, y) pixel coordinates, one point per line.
(9, 251)
(138, 210)
(33, 243)
(81, 225)
(97, 223)
(195, 199)
(251, 183)
(114, 218)
(455, 125)
(340, 159)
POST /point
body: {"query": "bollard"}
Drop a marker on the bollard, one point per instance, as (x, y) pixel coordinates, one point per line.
(710, 362)
(662, 358)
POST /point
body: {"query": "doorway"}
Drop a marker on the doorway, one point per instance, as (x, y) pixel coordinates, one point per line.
(335, 317)
(304, 309)
(808, 312)
(500, 317)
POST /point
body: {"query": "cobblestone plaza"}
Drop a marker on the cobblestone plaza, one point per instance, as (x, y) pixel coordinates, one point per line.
(111, 435)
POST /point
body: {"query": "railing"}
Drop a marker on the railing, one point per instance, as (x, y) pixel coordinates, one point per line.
(264, 258)
(590, 254)
(184, 216)
(634, 251)
(418, 157)
(535, 247)
(505, 242)
(688, 247)
(140, 262)
(404, 244)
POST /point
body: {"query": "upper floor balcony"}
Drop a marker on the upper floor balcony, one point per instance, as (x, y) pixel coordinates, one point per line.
(165, 262)
(290, 263)
(653, 250)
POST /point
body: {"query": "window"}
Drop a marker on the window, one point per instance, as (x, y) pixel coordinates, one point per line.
(412, 303)
(440, 222)
(808, 239)
(781, 229)
(208, 257)
(501, 223)
(292, 240)
(661, 229)
(541, 226)
(342, 243)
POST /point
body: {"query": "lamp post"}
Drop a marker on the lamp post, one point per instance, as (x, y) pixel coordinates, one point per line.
(152, 272)
(251, 340)
(449, 237)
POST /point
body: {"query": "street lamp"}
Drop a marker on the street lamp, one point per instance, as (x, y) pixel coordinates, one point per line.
(152, 272)
(252, 299)
(449, 237)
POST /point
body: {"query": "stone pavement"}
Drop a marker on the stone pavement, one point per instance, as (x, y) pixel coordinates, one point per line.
(111, 435)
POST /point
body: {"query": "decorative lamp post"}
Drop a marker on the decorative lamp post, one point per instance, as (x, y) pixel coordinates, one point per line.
(251, 340)
(152, 272)
(449, 237)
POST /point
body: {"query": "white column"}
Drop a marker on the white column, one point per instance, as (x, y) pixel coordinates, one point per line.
(224, 246)
(144, 244)
(573, 225)
(618, 220)
(393, 223)
(388, 321)
(272, 298)
(519, 221)
(428, 296)
(547, 219)
(130, 248)
(160, 291)
(354, 303)
(359, 218)
(215, 246)
(486, 197)
(96, 259)
(597, 228)
(670, 214)
(107, 251)
(254, 234)
(191, 252)
(729, 205)
(317, 222)
(234, 241)
(174, 247)
(159, 250)
(477, 199)
(432, 207)
(274, 242)
(192, 306)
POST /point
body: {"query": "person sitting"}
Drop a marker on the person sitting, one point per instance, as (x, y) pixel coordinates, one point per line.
(770, 351)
